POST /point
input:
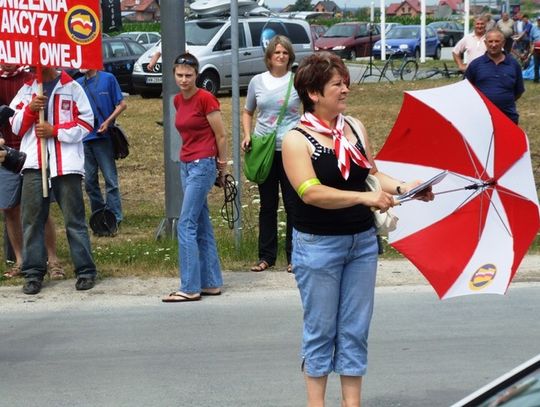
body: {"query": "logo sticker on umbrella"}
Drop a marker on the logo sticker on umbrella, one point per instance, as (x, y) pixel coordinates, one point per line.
(472, 238)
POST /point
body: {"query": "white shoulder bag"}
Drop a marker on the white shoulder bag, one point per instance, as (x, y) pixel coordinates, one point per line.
(385, 222)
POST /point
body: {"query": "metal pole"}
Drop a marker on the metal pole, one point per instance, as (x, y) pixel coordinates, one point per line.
(172, 44)
(237, 173)
(466, 7)
(383, 30)
(422, 31)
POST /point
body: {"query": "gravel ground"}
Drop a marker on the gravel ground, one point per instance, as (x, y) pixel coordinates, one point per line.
(112, 292)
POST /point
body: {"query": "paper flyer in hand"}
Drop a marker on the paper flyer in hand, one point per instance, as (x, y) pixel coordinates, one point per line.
(410, 194)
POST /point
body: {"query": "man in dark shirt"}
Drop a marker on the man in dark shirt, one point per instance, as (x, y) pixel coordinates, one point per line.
(497, 75)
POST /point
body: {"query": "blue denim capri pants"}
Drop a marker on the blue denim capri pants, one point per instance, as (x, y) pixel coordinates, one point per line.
(336, 278)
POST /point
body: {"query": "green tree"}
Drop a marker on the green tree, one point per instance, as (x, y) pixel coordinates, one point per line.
(302, 5)
(363, 14)
(528, 7)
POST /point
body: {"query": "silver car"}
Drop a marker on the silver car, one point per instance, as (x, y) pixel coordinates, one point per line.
(210, 41)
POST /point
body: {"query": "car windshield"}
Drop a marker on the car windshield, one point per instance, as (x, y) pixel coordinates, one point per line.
(201, 32)
(132, 36)
(438, 24)
(400, 32)
(343, 30)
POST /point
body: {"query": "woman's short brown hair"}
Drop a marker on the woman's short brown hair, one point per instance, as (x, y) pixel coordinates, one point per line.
(271, 48)
(187, 59)
(314, 72)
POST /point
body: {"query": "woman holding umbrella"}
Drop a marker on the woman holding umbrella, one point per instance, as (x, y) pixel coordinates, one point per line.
(327, 159)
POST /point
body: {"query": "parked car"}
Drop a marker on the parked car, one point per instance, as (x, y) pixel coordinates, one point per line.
(449, 32)
(317, 31)
(389, 26)
(119, 57)
(348, 40)
(146, 39)
(210, 41)
(406, 39)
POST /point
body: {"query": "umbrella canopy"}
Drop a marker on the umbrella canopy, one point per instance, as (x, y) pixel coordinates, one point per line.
(473, 236)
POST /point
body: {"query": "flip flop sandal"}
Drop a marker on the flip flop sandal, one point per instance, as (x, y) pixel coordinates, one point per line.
(16, 271)
(210, 293)
(260, 266)
(289, 268)
(179, 297)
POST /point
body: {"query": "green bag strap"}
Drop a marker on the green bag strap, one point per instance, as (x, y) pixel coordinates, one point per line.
(284, 106)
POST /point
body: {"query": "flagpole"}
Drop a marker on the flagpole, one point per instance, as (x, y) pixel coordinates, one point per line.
(42, 141)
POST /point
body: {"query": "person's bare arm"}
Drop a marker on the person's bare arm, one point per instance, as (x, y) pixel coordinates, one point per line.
(459, 62)
(116, 112)
(299, 168)
(153, 60)
(247, 120)
(216, 123)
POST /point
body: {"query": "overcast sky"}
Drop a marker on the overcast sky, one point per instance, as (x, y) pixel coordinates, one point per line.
(340, 3)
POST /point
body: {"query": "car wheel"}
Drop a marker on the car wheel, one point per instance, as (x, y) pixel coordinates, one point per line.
(437, 55)
(210, 81)
(352, 55)
(417, 53)
(451, 42)
(150, 94)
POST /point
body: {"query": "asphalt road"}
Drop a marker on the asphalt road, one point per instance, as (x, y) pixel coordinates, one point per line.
(241, 349)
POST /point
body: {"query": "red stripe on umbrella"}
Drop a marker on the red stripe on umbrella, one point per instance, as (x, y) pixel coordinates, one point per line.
(473, 236)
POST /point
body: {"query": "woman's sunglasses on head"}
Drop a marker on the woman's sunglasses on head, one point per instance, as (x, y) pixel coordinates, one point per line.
(185, 61)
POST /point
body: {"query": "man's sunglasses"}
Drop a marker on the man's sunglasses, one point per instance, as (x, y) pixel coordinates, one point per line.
(185, 61)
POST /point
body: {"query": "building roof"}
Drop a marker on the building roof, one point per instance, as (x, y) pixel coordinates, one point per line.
(135, 5)
(453, 4)
(394, 7)
(328, 6)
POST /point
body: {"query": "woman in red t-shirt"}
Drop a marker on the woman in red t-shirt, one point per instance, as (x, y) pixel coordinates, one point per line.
(202, 159)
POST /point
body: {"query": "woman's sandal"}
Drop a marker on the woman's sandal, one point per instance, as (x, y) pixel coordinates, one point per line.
(260, 266)
(177, 296)
(289, 268)
(15, 271)
(56, 271)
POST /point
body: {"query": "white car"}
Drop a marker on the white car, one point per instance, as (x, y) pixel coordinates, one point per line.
(146, 39)
(209, 40)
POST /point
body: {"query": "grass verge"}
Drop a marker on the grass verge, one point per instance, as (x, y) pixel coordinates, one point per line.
(136, 252)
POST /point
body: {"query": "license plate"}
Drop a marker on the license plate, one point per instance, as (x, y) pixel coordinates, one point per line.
(153, 79)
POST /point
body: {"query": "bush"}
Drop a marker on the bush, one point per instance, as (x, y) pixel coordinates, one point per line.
(138, 26)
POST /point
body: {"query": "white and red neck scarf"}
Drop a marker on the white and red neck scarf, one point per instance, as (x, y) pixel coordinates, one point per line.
(345, 151)
(10, 74)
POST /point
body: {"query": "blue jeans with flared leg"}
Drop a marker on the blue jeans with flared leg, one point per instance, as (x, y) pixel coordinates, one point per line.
(68, 193)
(198, 257)
(98, 154)
(336, 279)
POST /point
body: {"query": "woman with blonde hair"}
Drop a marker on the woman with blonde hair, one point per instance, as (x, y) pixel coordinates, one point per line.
(267, 93)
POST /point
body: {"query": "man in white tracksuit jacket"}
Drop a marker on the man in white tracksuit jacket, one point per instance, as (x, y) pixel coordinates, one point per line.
(68, 119)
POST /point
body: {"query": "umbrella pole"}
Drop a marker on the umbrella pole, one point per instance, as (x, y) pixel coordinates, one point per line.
(469, 187)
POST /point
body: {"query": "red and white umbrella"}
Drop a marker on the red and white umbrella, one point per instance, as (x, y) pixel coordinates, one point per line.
(472, 238)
